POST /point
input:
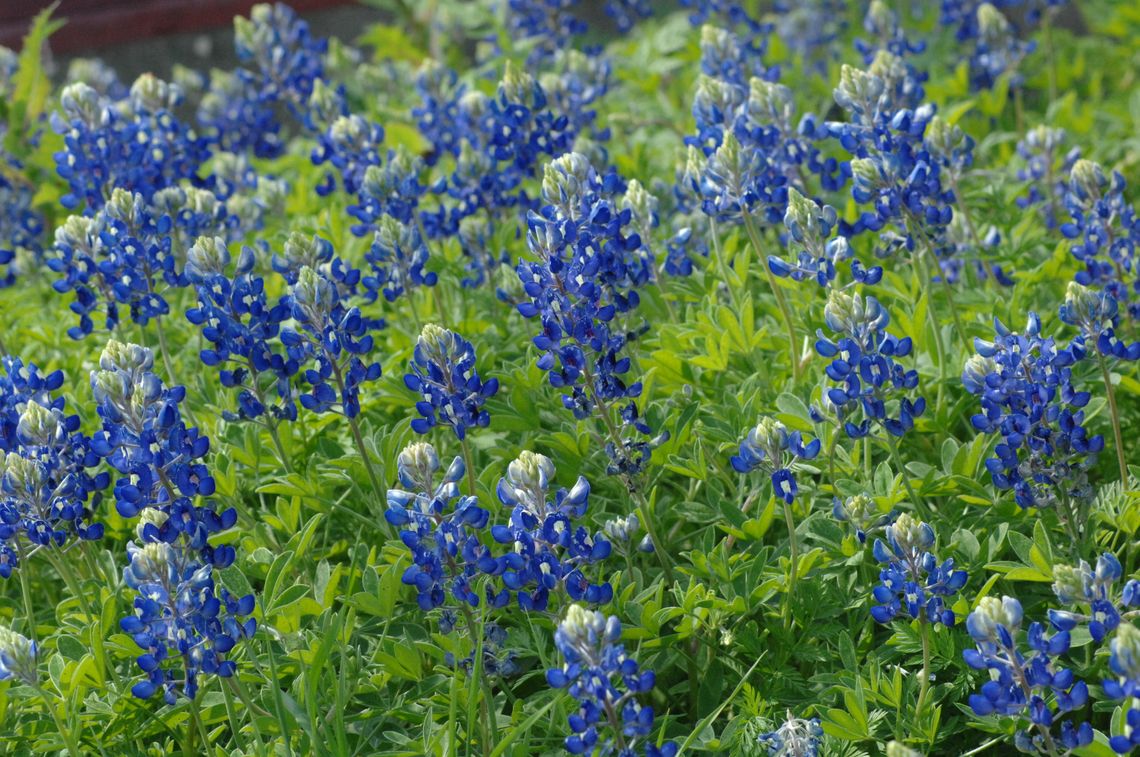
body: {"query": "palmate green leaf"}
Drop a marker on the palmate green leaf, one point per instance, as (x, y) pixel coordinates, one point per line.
(31, 86)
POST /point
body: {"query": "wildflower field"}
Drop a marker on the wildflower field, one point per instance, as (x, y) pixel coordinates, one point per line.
(708, 378)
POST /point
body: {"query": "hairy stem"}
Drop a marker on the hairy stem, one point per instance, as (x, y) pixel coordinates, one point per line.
(1115, 412)
(781, 301)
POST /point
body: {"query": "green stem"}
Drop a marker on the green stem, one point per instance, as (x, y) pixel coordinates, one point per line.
(278, 701)
(377, 489)
(469, 461)
(794, 562)
(196, 721)
(276, 437)
(721, 264)
(867, 460)
(642, 503)
(781, 301)
(924, 686)
(897, 460)
(63, 567)
(1116, 433)
(26, 590)
(488, 719)
(64, 731)
(166, 361)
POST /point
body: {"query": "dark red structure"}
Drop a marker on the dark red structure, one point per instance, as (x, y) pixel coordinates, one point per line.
(103, 23)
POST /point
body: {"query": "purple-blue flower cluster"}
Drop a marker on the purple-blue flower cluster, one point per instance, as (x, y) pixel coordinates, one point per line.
(1034, 689)
(1025, 384)
(236, 317)
(770, 447)
(606, 682)
(1082, 587)
(443, 372)
(1124, 661)
(48, 485)
(817, 255)
(1046, 170)
(796, 737)
(334, 335)
(548, 552)
(136, 145)
(1105, 231)
(440, 526)
(868, 381)
(184, 624)
(912, 581)
(588, 267)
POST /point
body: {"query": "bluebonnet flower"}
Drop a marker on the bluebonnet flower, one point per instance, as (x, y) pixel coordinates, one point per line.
(735, 181)
(1096, 315)
(95, 73)
(773, 449)
(1046, 170)
(336, 337)
(498, 659)
(864, 367)
(544, 26)
(301, 251)
(503, 139)
(437, 115)
(728, 59)
(184, 624)
(913, 582)
(997, 50)
(242, 325)
(882, 24)
(862, 513)
(1124, 660)
(809, 27)
(443, 371)
(392, 188)
(963, 14)
(643, 212)
(621, 530)
(1036, 688)
(19, 385)
(767, 122)
(138, 145)
(440, 527)
(351, 145)
(579, 81)
(894, 170)
(626, 13)
(397, 257)
(21, 225)
(715, 106)
(124, 255)
(796, 737)
(606, 683)
(232, 117)
(548, 553)
(1083, 586)
(587, 270)
(1025, 384)
(46, 491)
(731, 13)
(282, 59)
(1101, 228)
(158, 459)
(19, 656)
(809, 226)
